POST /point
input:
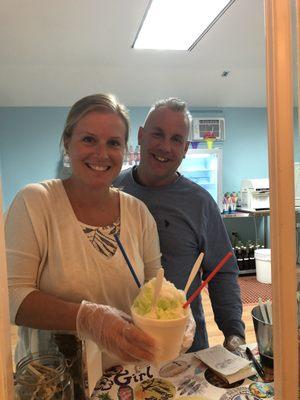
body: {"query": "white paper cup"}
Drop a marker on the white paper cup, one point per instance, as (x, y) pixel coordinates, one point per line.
(167, 333)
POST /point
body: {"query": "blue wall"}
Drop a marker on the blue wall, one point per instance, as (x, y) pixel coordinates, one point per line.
(29, 145)
(245, 153)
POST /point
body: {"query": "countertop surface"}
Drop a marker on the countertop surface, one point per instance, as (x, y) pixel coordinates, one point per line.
(185, 378)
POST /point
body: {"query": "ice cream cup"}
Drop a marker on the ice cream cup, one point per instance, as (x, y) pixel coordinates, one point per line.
(168, 334)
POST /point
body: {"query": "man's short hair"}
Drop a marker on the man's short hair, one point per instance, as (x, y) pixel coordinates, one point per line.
(174, 104)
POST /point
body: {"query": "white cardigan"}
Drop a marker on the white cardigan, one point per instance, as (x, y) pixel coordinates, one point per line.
(48, 251)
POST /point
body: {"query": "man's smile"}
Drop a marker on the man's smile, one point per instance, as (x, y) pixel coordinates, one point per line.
(161, 159)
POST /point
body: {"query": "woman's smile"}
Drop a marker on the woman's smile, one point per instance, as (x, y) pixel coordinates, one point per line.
(96, 167)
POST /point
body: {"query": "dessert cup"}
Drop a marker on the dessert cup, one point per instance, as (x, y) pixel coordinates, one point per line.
(168, 334)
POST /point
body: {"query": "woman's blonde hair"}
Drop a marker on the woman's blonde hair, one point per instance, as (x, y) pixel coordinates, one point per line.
(95, 102)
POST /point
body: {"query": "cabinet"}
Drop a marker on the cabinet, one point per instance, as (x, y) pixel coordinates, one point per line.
(247, 265)
(241, 213)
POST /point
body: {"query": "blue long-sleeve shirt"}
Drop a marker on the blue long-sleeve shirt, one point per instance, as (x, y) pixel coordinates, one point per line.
(188, 222)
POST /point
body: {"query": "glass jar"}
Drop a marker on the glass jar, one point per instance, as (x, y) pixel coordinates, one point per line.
(73, 351)
(43, 377)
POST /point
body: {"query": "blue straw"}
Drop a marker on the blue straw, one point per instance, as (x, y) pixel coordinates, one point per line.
(127, 260)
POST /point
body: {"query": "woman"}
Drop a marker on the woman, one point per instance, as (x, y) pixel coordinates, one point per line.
(65, 270)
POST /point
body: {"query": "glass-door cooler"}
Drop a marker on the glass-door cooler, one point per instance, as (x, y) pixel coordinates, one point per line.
(204, 167)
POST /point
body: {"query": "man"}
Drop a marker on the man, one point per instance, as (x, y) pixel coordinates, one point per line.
(187, 217)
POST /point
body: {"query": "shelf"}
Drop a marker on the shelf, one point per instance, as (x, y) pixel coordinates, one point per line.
(236, 215)
(197, 169)
(254, 212)
(247, 271)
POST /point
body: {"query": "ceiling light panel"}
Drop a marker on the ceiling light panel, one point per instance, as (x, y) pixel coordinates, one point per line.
(176, 24)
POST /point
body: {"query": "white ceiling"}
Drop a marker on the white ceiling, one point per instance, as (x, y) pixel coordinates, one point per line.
(54, 52)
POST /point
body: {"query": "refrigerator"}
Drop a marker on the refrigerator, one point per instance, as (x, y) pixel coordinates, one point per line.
(204, 167)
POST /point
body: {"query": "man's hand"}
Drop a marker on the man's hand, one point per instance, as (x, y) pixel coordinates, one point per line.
(232, 342)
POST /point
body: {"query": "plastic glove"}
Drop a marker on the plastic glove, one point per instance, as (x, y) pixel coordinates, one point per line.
(188, 334)
(232, 342)
(111, 330)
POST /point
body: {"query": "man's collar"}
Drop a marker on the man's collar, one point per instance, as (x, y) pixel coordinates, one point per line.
(137, 180)
(135, 175)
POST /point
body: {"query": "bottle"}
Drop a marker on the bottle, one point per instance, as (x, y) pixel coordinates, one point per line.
(137, 155)
(126, 158)
(247, 258)
(244, 257)
(239, 256)
(235, 238)
(251, 255)
(43, 377)
(131, 155)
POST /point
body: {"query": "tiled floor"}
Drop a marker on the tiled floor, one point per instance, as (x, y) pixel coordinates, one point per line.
(251, 290)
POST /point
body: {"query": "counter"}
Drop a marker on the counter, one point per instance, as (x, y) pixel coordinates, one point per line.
(243, 213)
(186, 378)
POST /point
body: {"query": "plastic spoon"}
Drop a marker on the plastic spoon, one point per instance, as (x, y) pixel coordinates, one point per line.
(158, 286)
(193, 272)
(269, 311)
(208, 279)
(263, 311)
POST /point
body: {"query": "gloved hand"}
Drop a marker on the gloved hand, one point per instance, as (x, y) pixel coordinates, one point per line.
(232, 342)
(188, 334)
(111, 330)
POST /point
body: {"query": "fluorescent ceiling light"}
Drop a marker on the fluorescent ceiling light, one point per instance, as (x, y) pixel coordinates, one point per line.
(178, 24)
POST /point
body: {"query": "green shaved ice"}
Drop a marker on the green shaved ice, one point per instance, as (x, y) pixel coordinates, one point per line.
(169, 304)
(143, 302)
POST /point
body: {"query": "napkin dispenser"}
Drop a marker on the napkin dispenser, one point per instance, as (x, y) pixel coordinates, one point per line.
(255, 194)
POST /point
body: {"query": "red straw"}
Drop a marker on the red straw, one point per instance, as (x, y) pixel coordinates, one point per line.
(209, 278)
